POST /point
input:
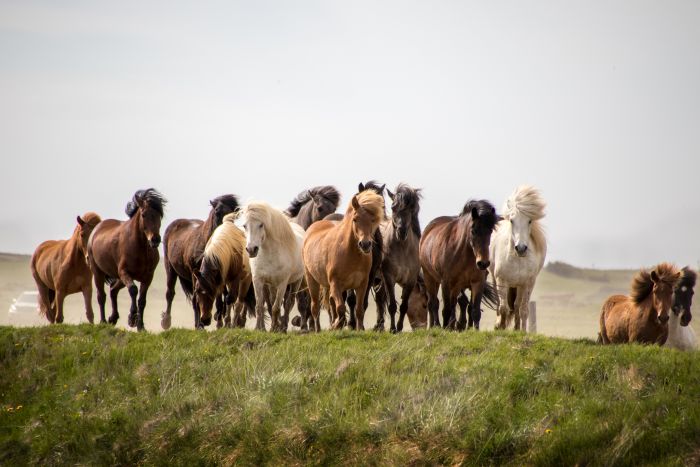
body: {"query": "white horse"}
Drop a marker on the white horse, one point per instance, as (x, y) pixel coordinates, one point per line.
(518, 248)
(680, 335)
(274, 247)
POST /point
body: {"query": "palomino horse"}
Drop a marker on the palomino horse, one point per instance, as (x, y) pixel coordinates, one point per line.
(454, 255)
(121, 252)
(399, 263)
(518, 249)
(224, 264)
(680, 335)
(337, 257)
(643, 316)
(183, 245)
(274, 245)
(313, 205)
(60, 268)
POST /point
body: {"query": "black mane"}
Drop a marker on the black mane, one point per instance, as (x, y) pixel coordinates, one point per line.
(151, 196)
(409, 198)
(688, 278)
(230, 201)
(375, 186)
(487, 213)
(327, 191)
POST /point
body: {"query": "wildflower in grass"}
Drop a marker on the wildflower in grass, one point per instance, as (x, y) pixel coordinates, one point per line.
(19, 407)
(548, 431)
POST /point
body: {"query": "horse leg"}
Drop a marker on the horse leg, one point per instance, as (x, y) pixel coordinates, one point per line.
(448, 318)
(58, 303)
(289, 301)
(220, 312)
(99, 281)
(360, 309)
(277, 307)
(143, 291)
(87, 298)
(351, 298)
(475, 309)
(503, 312)
(431, 288)
(304, 306)
(380, 298)
(403, 309)
(314, 295)
(463, 303)
(170, 281)
(523, 304)
(113, 292)
(391, 292)
(259, 304)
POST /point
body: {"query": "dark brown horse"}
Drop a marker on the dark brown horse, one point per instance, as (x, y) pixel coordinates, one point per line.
(454, 255)
(122, 252)
(643, 316)
(60, 268)
(183, 245)
(337, 257)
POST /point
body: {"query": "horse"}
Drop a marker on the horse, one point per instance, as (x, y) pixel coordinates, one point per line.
(224, 264)
(399, 262)
(183, 244)
(274, 245)
(60, 268)
(337, 257)
(680, 335)
(121, 252)
(454, 255)
(518, 250)
(313, 205)
(643, 316)
(417, 310)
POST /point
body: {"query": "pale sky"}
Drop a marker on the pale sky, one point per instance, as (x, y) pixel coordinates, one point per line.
(595, 102)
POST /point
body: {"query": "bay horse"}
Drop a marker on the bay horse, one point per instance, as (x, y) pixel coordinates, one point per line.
(337, 257)
(454, 255)
(399, 263)
(274, 244)
(183, 245)
(643, 316)
(60, 268)
(680, 335)
(224, 265)
(121, 252)
(313, 205)
(518, 250)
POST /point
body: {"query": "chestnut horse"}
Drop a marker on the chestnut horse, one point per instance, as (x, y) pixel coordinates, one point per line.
(643, 316)
(60, 268)
(121, 252)
(337, 257)
(454, 255)
(183, 245)
(224, 264)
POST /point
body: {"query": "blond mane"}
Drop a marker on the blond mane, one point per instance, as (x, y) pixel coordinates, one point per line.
(528, 201)
(226, 245)
(276, 224)
(371, 202)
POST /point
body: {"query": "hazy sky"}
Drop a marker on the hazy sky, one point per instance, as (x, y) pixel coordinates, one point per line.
(595, 102)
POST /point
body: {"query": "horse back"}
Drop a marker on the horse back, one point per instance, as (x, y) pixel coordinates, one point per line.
(183, 246)
(45, 261)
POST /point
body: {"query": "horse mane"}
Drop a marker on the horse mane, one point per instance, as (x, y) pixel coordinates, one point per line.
(486, 211)
(230, 201)
(276, 223)
(527, 200)
(151, 196)
(370, 201)
(374, 186)
(406, 197)
(642, 285)
(225, 245)
(688, 278)
(90, 218)
(329, 192)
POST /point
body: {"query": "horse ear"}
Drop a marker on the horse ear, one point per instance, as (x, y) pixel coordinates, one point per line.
(381, 189)
(654, 276)
(212, 203)
(475, 214)
(81, 222)
(361, 187)
(355, 203)
(391, 195)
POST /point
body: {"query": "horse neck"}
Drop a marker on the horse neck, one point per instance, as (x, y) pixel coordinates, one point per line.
(208, 227)
(347, 234)
(134, 228)
(74, 246)
(304, 216)
(463, 235)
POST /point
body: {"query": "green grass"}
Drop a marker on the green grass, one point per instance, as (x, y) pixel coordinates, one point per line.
(99, 395)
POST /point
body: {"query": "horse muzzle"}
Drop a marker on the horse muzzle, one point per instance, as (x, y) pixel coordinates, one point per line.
(685, 319)
(483, 265)
(154, 242)
(663, 319)
(521, 250)
(365, 246)
(252, 251)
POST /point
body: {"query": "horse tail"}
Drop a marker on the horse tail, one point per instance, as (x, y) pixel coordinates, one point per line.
(250, 301)
(603, 334)
(490, 296)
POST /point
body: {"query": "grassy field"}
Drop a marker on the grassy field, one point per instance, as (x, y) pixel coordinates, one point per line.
(568, 302)
(98, 395)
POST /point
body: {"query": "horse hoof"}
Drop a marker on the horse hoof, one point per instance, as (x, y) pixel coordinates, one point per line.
(393, 330)
(206, 321)
(296, 321)
(113, 319)
(379, 327)
(165, 321)
(132, 320)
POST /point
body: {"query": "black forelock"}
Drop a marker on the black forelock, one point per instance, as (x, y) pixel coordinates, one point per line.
(688, 278)
(329, 192)
(374, 186)
(151, 196)
(407, 197)
(487, 213)
(230, 201)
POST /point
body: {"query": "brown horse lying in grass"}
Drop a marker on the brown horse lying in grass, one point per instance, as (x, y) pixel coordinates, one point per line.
(338, 257)
(60, 268)
(643, 316)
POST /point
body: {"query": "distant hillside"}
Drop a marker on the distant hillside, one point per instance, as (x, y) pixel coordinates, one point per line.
(563, 269)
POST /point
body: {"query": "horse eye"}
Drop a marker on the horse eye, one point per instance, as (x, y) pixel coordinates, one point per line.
(260, 225)
(530, 221)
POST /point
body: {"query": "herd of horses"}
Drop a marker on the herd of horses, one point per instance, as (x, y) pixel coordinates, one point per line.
(254, 260)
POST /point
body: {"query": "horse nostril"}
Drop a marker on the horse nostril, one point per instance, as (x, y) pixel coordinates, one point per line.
(365, 245)
(483, 264)
(663, 318)
(252, 252)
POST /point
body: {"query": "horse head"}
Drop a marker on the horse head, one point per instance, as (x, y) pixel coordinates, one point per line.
(322, 206)
(483, 223)
(404, 210)
(664, 279)
(367, 212)
(223, 205)
(683, 296)
(204, 292)
(86, 224)
(523, 206)
(148, 205)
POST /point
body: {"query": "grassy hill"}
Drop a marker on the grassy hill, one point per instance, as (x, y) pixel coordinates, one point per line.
(568, 299)
(99, 395)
